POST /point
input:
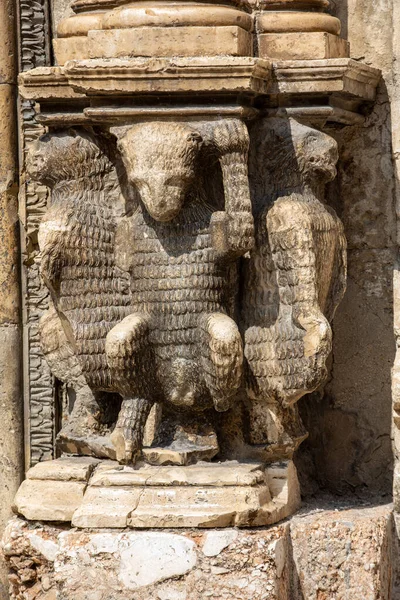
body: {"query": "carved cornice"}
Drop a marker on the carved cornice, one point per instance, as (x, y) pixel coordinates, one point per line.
(340, 76)
(344, 85)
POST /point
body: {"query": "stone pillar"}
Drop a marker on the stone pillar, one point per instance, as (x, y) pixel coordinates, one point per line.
(299, 30)
(395, 111)
(11, 440)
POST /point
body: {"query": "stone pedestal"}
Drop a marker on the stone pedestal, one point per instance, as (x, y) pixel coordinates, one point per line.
(91, 493)
(298, 30)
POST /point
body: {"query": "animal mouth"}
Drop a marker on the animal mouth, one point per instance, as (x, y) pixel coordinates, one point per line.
(164, 215)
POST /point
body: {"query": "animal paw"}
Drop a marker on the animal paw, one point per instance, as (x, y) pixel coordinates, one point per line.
(232, 234)
(126, 444)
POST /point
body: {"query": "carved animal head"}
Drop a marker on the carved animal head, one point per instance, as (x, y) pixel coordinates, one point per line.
(316, 153)
(67, 155)
(286, 154)
(160, 159)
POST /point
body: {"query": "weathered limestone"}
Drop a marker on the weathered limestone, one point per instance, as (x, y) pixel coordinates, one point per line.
(149, 75)
(302, 46)
(359, 562)
(324, 554)
(288, 22)
(292, 35)
(170, 29)
(93, 493)
(118, 43)
(395, 107)
(152, 215)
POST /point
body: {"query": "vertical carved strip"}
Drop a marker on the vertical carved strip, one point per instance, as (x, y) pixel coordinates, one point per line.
(39, 400)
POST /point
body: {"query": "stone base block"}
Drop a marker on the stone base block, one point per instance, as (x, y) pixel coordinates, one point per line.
(101, 446)
(318, 555)
(302, 46)
(73, 48)
(340, 554)
(92, 493)
(156, 41)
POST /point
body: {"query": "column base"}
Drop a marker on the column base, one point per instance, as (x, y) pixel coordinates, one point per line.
(92, 493)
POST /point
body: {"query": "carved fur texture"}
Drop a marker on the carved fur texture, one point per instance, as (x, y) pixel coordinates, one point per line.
(146, 311)
(90, 294)
(183, 270)
(296, 275)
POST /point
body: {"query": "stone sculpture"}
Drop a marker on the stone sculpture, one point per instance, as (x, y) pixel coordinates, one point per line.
(166, 335)
(89, 294)
(180, 345)
(144, 296)
(294, 278)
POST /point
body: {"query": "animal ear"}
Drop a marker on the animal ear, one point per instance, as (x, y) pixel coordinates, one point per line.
(123, 147)
(194, 138)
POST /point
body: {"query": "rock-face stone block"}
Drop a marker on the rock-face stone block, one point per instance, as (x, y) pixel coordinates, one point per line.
(343, 554)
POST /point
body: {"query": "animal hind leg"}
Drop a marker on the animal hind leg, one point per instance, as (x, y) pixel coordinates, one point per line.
(85, 418)
(127, 437)
(131, 362)
(222, 358)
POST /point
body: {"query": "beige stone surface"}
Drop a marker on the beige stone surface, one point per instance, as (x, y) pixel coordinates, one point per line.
(71, 48)
(179, 14)
(151, 75)
(302, 46)
(342, 76)
(11, 428)
(168, 456)
(169, 41)
(223, 474)
(64, 469)
(350, 426)
(201, 495)
(8, 53)
(11, 423)
(9, 280)
(160, 15)
(294, 4)
(327, 552)
(48, 500)
(79, 25)
(285, 22)
(50, 80)
(343, 554)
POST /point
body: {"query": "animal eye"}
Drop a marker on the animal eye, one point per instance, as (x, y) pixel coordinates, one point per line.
(174, 181)
(194, 137)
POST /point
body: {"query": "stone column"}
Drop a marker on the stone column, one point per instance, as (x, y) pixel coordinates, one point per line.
(395, 119)
(11, 428)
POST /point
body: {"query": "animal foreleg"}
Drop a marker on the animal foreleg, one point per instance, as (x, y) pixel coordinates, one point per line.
(233, 230)
(222, 358)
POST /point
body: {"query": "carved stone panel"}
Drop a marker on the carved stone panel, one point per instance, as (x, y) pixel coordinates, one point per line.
(161, 296)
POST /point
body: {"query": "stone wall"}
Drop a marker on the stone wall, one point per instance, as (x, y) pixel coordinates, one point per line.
(329, 554)
(349, 445)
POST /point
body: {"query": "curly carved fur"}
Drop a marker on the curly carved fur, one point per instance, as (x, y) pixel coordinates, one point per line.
(296, 275)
